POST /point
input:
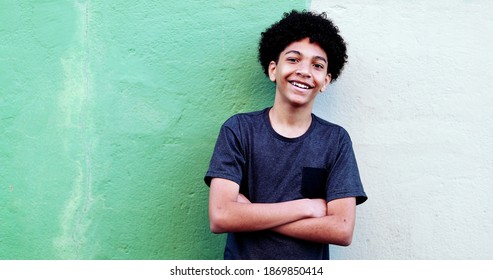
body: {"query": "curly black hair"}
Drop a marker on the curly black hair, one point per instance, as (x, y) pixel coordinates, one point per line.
(295, 26)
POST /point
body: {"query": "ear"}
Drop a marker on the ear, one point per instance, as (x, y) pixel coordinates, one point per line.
(272, 71)
(327, 80)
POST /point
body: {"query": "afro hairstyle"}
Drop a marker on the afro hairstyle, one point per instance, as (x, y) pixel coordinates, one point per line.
(296, 26)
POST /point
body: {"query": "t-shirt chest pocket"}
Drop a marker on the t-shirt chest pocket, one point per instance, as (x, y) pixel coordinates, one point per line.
(313, 182)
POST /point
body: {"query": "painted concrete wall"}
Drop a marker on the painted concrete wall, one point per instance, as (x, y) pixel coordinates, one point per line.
(416, 98)
(109, 111)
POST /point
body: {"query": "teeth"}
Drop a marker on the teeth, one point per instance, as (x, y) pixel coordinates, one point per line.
(300, 85)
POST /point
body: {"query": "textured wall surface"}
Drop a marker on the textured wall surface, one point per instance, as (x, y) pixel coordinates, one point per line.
(109, 111)
(416, 98)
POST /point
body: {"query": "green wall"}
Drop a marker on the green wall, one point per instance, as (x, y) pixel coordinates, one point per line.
(109, 111)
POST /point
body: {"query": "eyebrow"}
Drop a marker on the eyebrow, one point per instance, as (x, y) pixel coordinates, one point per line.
(298, 53)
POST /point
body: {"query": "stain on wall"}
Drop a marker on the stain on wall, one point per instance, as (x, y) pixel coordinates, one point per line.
(109, 111)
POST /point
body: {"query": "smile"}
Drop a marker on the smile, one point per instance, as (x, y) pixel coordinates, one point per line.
(300, 85)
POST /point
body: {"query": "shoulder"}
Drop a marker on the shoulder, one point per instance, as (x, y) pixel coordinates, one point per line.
(242, 119)
(332, 129)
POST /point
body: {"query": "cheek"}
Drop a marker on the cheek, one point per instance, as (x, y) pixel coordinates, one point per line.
(323, 79)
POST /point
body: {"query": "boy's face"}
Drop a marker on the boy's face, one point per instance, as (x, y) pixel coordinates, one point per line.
(301, 73)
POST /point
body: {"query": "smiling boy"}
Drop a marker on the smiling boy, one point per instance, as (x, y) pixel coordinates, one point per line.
(284, 183)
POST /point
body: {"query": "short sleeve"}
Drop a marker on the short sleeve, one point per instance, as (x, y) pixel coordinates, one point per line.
(228, 159)
(344, 179)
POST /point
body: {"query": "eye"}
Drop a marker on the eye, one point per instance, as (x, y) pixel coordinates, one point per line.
(292, 59)
(319, 66)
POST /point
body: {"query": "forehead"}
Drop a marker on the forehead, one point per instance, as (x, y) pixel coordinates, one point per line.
(305, 48)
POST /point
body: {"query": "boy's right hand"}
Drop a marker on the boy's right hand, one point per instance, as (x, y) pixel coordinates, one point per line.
(318, 207)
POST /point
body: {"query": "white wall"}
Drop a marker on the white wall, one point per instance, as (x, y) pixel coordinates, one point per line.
(417, 99)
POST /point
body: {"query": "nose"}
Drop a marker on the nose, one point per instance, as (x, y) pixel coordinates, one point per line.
(303, 70)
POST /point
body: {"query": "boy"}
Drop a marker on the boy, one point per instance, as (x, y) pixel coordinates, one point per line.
(283, 182)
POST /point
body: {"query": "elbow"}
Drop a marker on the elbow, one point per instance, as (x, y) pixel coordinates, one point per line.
(346, 236)
(222, 219)
(343, 239)
(217, 223)
(346, 239)
(215, 228)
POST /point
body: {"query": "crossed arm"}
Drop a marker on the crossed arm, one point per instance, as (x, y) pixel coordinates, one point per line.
(308, 219)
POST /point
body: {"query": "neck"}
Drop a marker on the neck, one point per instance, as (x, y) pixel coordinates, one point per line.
(290, 121)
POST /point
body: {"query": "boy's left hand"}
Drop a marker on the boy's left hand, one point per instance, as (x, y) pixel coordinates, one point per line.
(242, 199)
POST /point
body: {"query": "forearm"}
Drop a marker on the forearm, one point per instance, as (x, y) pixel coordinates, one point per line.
(336, 227)
(238, 217)
(228, 213)
(328, 229)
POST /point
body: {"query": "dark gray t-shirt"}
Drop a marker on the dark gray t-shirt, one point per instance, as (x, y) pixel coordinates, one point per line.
(271, 168)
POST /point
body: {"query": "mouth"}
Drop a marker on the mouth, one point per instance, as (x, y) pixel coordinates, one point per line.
(300, 85)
